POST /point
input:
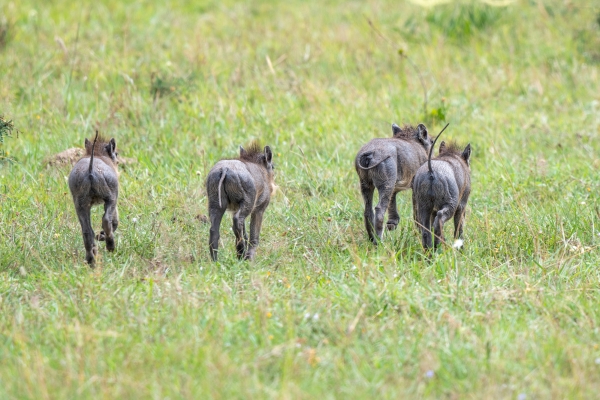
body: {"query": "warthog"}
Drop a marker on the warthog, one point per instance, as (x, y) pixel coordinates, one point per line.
(389, 165)
(243, 186)
(441, 189)
(94, 180)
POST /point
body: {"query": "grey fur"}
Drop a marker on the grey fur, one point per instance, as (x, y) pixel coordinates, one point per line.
(442, 193)
(389, 165)
(94, 180)
(243, 186)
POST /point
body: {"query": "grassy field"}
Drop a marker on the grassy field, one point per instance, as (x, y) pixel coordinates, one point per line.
(321, 312)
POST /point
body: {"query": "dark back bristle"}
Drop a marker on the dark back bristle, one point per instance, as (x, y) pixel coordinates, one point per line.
(98, 147)
(407, 132)
(451, 148)
(253, 153)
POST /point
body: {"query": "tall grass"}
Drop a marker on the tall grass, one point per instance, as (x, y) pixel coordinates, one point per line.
(321, 312)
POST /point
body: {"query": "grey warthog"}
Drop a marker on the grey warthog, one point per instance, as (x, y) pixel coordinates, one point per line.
(94, 180)
(441, 189)
(243, 186)
(389, 165)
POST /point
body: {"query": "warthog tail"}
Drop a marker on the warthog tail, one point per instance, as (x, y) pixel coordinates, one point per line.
(431, 151)
(92, 156)
(367, 158)
(223, 173)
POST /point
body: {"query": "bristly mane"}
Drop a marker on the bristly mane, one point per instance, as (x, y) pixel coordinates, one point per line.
(98, 147)
(452, 148)
(253, 153)
(407, 132)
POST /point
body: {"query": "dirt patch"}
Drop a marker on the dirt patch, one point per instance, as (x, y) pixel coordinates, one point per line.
(72, 155)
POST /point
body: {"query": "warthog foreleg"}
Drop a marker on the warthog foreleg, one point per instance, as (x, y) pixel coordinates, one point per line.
(255, 226)
(115, 224)
(109, 223)
(385, 195)
(239, 228)
(393, 217)
(459, 221)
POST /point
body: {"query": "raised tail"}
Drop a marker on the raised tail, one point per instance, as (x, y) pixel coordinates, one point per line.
(431, 151)
(92, 156)
(223, 173)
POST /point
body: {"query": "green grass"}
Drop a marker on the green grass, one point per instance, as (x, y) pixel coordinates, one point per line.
(321, 312)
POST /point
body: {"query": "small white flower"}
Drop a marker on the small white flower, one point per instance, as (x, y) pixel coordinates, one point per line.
(429, 374)
(582, 203)
(458, 244)
(134, 220)
(521, 396)
(316, 317)
(307, 315)
(597, 361)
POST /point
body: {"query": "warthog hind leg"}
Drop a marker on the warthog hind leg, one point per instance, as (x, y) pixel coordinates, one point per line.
(83, 213)
(369, 217)
(216, 214)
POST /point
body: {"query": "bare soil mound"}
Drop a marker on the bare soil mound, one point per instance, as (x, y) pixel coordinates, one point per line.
(72, 155)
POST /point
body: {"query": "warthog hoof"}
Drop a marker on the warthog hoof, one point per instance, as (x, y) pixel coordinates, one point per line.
(91, 260)
(101, 237)
(110, 244)
(391, 225)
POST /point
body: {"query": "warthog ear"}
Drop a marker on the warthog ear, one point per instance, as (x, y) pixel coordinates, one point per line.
(242, 152)
(111, 146)
(466, 154)
(268, 154)
(422, 134)
(442, 147)
(395, 129)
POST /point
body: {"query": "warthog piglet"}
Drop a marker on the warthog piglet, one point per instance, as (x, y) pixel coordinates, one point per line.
(94, 180)
(441, 189)
(244, 187)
